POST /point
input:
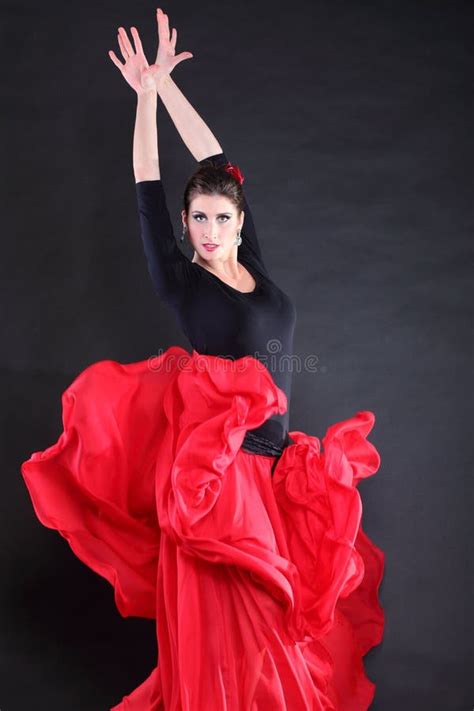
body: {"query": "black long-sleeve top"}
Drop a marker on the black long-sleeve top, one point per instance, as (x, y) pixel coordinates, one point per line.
(216, 318)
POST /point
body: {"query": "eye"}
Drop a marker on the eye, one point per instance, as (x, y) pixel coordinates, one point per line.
(199, 218)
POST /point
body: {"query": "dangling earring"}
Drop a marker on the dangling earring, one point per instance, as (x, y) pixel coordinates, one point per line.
(182, 236)
(238, 241)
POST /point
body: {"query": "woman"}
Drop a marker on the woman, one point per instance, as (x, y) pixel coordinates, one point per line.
(176, 477)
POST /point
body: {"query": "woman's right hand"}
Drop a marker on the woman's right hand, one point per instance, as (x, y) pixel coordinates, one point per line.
(135, 60)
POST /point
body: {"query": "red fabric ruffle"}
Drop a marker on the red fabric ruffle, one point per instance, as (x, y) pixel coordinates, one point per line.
(263, 585)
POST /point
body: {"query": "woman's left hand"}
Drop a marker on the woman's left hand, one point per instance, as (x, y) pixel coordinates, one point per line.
(166, 59)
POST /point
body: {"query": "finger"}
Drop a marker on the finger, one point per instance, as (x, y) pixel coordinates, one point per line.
(166, 27)
(161, 28)
(116, 60)
(174, 35)
(137, 40)
(122, 48)
(126, 41)
(179, 57)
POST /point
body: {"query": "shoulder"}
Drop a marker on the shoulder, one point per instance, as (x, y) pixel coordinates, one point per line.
(247, 257)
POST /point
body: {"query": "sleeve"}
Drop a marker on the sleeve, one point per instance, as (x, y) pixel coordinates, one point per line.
(169, 269)
(250, 246)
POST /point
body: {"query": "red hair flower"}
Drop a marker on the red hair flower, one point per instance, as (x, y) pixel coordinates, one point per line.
(235, 171)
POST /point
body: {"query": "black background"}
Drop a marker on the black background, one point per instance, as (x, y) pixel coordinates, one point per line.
(351, 122)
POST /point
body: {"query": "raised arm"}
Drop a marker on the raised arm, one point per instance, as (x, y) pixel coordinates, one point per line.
(170, 270)
(146, 164)
(194, 131)
(205, 147)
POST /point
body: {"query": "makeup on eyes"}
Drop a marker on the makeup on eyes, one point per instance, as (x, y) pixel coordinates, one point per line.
(198, 214)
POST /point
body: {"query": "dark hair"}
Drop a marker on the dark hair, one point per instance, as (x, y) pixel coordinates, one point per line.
(210, 179)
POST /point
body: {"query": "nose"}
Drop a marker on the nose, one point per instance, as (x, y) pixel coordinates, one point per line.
(212, 234)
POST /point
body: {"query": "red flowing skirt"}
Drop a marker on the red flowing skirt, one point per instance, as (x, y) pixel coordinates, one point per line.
(262, 584)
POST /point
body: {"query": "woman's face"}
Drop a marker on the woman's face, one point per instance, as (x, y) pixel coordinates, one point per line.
(213, 223)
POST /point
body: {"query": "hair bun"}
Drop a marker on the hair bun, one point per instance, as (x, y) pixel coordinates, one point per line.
(235, 171)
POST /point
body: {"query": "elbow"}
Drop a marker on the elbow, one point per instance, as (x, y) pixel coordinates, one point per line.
(163, 291)
(147, 172)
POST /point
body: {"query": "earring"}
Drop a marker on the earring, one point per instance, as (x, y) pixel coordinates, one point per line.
(238, 241)
(184, 231)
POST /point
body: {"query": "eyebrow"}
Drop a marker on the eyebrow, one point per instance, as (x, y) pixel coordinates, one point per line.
(200, 212)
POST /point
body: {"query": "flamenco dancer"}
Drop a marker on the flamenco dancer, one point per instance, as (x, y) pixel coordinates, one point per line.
(177, 479)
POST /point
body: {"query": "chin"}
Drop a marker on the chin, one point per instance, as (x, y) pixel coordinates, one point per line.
(208, 255)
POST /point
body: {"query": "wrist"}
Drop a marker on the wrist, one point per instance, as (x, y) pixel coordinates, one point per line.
(162, 81)
(147, 95)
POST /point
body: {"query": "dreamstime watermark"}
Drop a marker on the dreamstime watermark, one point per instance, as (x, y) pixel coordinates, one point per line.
(274, 360)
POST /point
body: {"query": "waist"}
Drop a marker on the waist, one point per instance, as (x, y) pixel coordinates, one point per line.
(257, 443)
